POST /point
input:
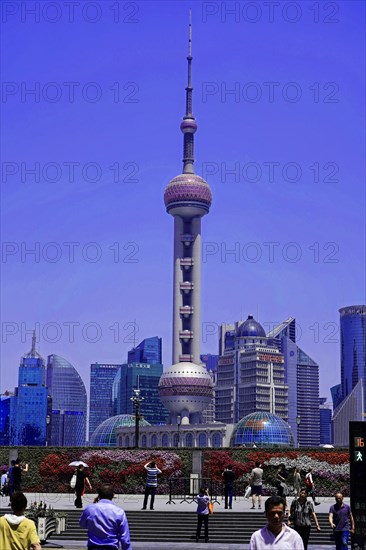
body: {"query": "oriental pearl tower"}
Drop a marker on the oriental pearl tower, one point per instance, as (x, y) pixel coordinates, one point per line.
(186, 387)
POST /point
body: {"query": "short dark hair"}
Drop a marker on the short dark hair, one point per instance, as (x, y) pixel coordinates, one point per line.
(257, 463)
(106, 491)
(18, 502)
(152, 464)
(229, 467)
(203, 490)
(274, 501)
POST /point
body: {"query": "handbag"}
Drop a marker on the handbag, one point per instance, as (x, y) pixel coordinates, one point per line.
(73, 482)
(248, 491)
(210, 507)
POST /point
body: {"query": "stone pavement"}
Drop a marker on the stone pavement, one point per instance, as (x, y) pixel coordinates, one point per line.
(134, 502)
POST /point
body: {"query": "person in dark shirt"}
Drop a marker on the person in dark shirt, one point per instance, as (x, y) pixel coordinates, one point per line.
(301, 514)
(340, 518)
(202, 512)
(152, 472)
(16, 475)
(81, 480)
(229, 478)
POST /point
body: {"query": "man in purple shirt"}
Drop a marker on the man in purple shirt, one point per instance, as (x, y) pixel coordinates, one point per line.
(275, 535)
(340, 516)
(106, 523)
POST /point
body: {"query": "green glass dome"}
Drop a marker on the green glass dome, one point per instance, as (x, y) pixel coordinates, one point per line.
(262, 429)
(105, 434)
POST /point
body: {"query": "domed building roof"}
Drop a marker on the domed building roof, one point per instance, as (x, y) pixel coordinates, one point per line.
(264, 429)
(186, 385)
(251, 328)
(188, 188)
(105, 434)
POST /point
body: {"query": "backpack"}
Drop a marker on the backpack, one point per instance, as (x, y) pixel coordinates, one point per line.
(73, 482)
(308, 483)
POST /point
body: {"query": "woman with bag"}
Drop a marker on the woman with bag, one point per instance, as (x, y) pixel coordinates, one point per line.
(81, 480)
(203, 501)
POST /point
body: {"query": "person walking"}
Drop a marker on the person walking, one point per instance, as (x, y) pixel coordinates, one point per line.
(297, 482)
(203, 498)
(81, 480)
(341, 521)
(256, 484)
(16, 476)
(17, 531)
(151, 483)
(282, 488)
(301, 514)
(106, 523)
(229, 478)
(276, 535)
(309, 483)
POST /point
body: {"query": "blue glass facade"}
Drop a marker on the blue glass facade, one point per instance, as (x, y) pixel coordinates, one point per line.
(28, 408)
(144, 376)
(148, 351)
(101, 402)
(210, 361)
(336, 393)
(69, 403)
(263, 430)
(325, 422)
(4, 419)
(353, 347)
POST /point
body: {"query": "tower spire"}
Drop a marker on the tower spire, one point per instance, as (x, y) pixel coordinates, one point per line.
(33, 350)
(189, 125)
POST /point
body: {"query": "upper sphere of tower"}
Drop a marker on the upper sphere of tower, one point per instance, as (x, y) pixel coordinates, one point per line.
(188, 126)
(188, 190)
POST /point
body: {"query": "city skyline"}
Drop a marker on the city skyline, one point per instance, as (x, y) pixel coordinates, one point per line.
(130, 281)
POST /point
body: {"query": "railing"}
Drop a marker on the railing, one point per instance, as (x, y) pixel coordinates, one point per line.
(185, 489)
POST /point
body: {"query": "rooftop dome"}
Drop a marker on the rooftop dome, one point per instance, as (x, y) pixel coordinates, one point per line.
(264, 429)
(105, 434)
(251, 328)
(189, 189)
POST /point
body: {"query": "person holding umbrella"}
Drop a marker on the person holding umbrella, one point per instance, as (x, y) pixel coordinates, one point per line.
(81, 480)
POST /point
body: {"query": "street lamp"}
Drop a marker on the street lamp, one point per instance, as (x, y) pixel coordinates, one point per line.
(298, 422)
(179, 422)
(136, 400)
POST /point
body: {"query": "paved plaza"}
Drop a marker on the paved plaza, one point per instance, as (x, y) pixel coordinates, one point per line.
(134, 502)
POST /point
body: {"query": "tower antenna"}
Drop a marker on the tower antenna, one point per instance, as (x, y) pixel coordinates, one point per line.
(189, 124)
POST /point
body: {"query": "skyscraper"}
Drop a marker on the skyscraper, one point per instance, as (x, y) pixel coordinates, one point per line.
(28, 408)
(250, 375)
(101, 402)
(325, 421)
(353, 348)
(144, 376)
(4, 418)
(350, 409)
(69, 406)
(148, 351)
(302, 378)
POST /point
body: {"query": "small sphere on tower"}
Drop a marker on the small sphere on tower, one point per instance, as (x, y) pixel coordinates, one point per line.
(188, 126)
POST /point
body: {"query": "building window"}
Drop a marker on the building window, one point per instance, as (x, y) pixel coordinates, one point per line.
(216, 440)
(154, 440)
(202, 440)
(165, 440)
(175, 440)
(189, 440)
(143, 441)
(127, 441)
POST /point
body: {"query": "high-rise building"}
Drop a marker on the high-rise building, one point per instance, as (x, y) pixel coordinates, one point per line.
(353, 348)
(28, 407)
(4, 418)
(325, 422)
(350, 409)
(302, 378)
(148, 351)
(102, 376)
(250, 375)
(145, 377)
(336, 393)
(69, 403)
(210, 361)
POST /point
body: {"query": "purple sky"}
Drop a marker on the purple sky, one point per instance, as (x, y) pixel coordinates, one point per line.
(111, 94)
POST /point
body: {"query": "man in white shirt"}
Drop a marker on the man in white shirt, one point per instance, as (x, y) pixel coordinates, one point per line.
(275, 535)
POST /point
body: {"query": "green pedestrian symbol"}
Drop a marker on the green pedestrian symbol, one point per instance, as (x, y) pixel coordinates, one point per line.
(359, 456)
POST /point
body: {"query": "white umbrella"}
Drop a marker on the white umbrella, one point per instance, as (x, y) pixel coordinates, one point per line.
(78, 463)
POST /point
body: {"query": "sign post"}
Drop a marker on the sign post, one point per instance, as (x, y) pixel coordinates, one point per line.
(357, 449)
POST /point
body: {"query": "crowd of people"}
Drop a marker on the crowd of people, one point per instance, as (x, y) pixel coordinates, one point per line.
(107, 525)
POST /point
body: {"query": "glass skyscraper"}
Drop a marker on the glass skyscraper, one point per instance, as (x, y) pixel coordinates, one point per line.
(4, 419)
(101, 402)
(69, 403)
(148, 351)
(28, 407)
(325, 422)
(353, 348)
